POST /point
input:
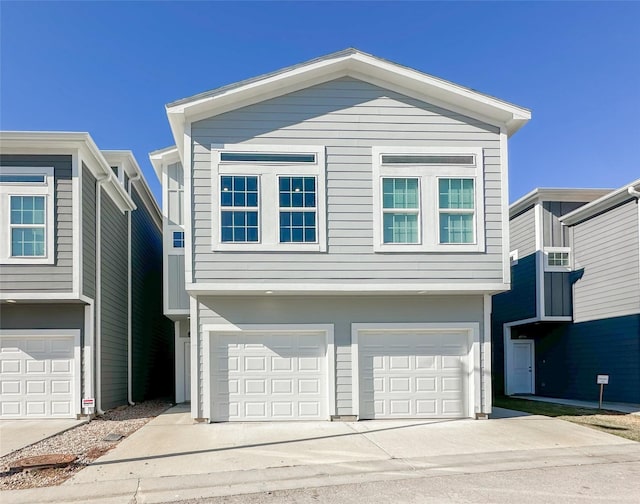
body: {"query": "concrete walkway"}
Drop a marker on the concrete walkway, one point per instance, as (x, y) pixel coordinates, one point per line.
(171, 458)
(634, 409)
(16, 434)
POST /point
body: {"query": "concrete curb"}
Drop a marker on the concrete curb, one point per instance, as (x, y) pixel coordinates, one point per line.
(177, 488)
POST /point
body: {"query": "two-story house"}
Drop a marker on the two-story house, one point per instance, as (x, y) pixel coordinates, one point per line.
(80, 279)
(574, 308)
(339, 227)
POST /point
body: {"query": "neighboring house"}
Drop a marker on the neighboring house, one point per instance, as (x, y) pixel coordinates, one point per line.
(574, 308)
(345, 225)
(80, 279)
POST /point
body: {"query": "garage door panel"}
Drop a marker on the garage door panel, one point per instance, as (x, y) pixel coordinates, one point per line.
(280, 376)
(417, 374)
(38, 375)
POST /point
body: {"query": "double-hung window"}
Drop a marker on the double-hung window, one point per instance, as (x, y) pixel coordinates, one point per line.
(26, 215)
(268, 197)
(428, 199)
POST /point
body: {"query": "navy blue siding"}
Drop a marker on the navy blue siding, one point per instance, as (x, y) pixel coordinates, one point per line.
(517, 304)
(152, 333)
(568, 358)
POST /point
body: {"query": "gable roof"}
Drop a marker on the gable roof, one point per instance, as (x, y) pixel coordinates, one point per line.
(606, 202)
(566, 194)
(347, 63)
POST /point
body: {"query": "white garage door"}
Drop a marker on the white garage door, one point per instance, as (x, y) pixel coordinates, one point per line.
(38, 376)
(269, 376)
(413, 374)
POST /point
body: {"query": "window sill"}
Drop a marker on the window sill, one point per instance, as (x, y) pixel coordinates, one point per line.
(269, 247)
(408, 248)
(26, 261)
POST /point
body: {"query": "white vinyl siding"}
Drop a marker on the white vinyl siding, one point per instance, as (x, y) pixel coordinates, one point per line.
(349, 117)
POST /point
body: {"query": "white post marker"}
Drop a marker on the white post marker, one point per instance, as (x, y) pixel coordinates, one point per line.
(602, 380)
(88, 403)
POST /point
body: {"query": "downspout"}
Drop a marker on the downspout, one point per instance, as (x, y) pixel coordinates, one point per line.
(98, 303)
(129, 318)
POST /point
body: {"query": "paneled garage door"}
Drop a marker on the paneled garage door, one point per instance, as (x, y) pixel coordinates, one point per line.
(413, 374)
(38, 376)
(257, 376)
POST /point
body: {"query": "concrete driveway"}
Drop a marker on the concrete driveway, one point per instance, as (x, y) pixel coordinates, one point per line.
(172, 445)
(16, 434)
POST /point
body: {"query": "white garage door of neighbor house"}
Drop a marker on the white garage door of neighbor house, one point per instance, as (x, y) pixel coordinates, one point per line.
(269, 376)
(413, 374)
(38, 375)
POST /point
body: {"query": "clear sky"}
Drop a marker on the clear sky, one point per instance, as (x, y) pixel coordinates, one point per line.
(110, 67)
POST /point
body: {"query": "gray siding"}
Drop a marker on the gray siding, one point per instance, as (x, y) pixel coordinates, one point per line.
(114, 304)
(152, 333)
(606, 249)
(554, 233)
(557, 294)
(522, 228)
(348, 117)
(342, 311)
(88, 233)
(57, 277)
(178, 297)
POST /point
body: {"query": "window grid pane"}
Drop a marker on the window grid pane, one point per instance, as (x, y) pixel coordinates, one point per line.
(456, 228)
(400, 228)
(239, 225)
(27, 209)
(27, 242)
(297, 226)
(558, 259)
(456, 193)
(178, 239)
(400, 193)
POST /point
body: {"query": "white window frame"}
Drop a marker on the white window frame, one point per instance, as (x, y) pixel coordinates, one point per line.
(548, 267)
(9, 189)
(429, 218)
(268, 173)
(407, 211)
(245, 209)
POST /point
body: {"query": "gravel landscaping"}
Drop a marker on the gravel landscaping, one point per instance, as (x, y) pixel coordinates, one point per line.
(85, 441)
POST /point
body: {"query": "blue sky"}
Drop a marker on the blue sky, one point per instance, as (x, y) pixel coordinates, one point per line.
(110, 67)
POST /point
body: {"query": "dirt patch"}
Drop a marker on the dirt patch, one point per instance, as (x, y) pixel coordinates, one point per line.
(86, 442)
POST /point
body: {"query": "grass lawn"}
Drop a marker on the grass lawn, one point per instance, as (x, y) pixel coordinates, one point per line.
(612, 422)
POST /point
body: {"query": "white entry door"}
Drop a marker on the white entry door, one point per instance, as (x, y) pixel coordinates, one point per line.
(258, 376)
(39, 375)
(413, 374)
(522, 373)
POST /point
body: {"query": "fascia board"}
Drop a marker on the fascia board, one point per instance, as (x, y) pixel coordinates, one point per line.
(600, 205)
(500, 113)
(49, 142)
(555, 194)
(162, 157)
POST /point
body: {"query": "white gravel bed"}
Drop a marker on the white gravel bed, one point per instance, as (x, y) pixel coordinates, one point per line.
(85, 441)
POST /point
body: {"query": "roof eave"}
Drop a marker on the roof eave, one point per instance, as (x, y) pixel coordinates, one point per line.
(601, 204)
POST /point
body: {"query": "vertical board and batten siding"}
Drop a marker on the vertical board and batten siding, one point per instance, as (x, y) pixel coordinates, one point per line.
(348, 117)
(151, 333)
(178, 297)
(553, 232)
(522, 228)
(557, 294)
(114, 303)
(342, 311)
(606, 248)
(88, 233)
(57, 277)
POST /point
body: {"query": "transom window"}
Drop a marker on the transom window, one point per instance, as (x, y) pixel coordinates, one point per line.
(401, 210)
(428, 199)
(557, 259)
(270, 198)
(26, 215)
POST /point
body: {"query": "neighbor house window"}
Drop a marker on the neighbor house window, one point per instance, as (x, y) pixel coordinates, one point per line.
(26, 215)
(269, 198)
(557, 259)
(428, 199)
(178, 239)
